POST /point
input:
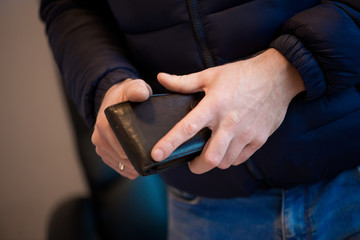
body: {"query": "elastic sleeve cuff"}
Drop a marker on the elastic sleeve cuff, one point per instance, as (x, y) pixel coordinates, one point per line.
(304, 61)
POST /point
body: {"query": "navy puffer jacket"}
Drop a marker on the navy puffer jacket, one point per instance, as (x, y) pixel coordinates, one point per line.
(99, 43)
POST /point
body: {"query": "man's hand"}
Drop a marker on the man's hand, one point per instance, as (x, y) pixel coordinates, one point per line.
(107, 145)
(244, 103)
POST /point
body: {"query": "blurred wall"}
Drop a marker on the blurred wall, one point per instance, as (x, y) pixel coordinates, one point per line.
(38, 163)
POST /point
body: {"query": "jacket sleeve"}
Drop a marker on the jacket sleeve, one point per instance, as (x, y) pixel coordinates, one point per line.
(323, 43)
(87, 50)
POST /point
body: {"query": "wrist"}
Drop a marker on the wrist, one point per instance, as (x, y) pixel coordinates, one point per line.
(288, 81)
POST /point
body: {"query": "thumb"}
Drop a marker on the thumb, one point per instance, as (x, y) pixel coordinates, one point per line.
(137, 91)
(190, 83)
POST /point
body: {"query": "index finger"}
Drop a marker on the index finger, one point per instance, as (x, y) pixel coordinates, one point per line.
(192, 123)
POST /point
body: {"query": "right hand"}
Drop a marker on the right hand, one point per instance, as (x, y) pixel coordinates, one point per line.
(104, 139)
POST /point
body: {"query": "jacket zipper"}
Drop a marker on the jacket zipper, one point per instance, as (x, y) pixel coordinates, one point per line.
(199, 33)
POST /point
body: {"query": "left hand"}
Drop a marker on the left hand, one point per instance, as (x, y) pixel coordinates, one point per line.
(106, 144)
(244, 103)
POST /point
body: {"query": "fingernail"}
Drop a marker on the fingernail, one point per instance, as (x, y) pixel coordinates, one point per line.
(158, 154)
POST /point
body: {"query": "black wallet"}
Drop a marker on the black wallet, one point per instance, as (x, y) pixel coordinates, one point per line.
(139, 126)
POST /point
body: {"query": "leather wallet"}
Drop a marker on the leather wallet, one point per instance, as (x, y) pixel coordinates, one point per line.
(139, 126)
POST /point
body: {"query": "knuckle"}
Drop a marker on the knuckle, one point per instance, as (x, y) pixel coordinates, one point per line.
(169, 142)
(227, 162)
(138, 83)
(95, 137)
(217, 101)
(232, 119)
(211, 160)
(242, 158)
(99, 128)
(238, 162)
(223, 165)
(122, 155)
(94, 140)
(181, 87)
(259, 141)
(182, 78)
(247, 134)
(98, 151)
(189, 128)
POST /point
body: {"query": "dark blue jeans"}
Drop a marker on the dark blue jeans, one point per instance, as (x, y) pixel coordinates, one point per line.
(327, 210)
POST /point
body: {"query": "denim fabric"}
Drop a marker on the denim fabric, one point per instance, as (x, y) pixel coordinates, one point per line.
(327, 210)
